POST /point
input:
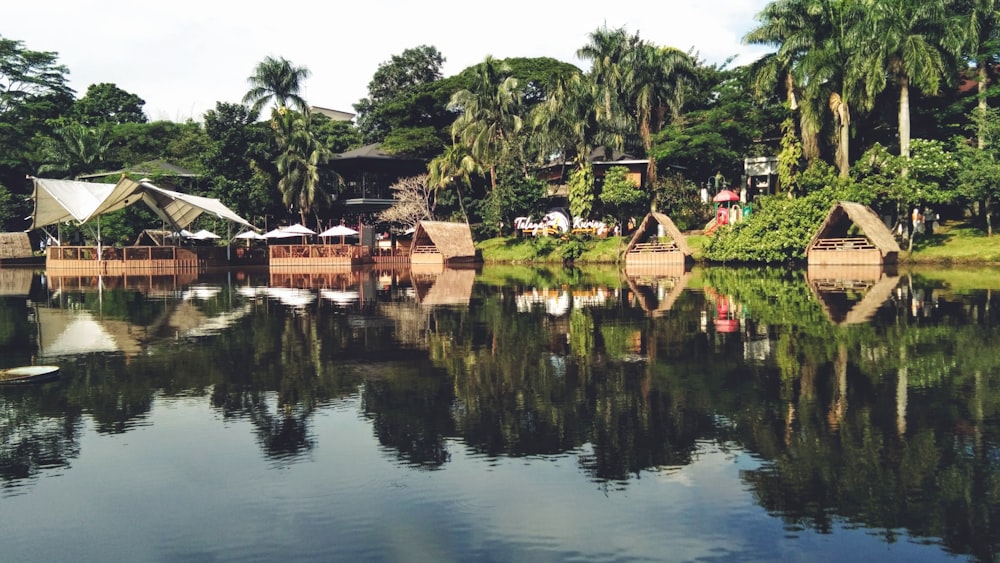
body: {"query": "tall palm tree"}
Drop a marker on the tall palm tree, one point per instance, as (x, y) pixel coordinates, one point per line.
(657, 78)
(277, 80)
(490, 115)
(815, 59)
(785, 24)
(454, 167)
(638, 85)
(914, 44)
(299, 161)
(982, 37)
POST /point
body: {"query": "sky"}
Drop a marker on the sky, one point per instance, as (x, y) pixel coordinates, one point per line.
(183, 56)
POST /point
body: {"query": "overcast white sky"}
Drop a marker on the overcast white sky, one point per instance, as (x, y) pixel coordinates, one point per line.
(183, 56)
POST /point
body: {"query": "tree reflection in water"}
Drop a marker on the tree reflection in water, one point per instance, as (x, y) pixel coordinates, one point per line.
(871, 414)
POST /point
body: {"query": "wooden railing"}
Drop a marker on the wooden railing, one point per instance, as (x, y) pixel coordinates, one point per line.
(425, 249)
(843, 244)
(669, 246)
(117, 260)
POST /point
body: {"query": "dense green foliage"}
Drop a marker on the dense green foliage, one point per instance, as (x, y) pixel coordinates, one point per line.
(884, 97)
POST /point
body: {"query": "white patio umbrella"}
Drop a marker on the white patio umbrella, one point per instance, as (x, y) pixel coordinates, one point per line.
(250, 235)
(205, 235)
(339, 231)
(296, 230)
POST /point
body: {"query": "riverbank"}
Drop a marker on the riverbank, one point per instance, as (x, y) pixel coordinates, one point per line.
(952, 243)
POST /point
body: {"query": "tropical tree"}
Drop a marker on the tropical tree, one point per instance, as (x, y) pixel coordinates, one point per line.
(395, 78)
(276, 80)
(982, 39)
(659, 78)
(788, 26)
(608, 50)
(107, 103)
(621, 195)
(75, 149)
(299, 161)
(818, 57)
(454, 168)
(913, 44)
(490, 115)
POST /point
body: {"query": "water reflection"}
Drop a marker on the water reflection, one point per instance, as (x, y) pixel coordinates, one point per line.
(852, 393)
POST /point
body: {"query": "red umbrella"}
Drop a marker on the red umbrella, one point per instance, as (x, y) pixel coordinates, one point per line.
(726, 195)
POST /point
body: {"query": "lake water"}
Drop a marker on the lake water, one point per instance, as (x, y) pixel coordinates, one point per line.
(503, 414)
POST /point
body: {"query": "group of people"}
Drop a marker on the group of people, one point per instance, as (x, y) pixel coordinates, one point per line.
(923, 221)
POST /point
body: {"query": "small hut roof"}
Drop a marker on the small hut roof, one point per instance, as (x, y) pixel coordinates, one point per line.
(155, 237)
(648, 228)
(865, 218)
(14, 245)
(453, 240)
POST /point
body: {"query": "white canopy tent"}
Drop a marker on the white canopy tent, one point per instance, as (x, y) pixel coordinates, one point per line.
(59, 201)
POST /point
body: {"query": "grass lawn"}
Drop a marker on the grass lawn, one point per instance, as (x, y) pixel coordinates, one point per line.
(954, 242)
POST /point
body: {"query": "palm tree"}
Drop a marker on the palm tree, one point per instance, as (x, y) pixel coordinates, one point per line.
(75, 149)
(982, 35)
(299, 160)
(785, 25)
(276, 80)
(454, 167)
(658, 78)
(491, 115)
(638, 85)
(815, 58)
(915, 44)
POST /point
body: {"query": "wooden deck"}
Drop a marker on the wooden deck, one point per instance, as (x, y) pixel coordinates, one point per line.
(426, 254)
(657, 252)
(298, 256)
(113, 260)
(844, 251)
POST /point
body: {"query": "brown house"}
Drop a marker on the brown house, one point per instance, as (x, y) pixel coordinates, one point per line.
(369, 173)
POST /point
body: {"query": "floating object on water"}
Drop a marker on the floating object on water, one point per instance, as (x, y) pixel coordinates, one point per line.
(28, 374)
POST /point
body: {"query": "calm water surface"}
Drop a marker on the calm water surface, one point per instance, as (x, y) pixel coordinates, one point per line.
(505, 414)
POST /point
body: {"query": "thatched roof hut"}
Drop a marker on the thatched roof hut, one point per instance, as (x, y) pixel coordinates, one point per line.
(657, 240)
(852, 234)
(156, 237)
(438, 242)
(15, 246)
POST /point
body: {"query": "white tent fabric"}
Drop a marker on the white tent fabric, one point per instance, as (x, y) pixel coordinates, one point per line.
(58, 201)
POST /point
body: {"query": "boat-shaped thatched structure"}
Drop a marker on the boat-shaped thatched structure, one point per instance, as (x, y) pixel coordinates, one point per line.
(438, 285)
(439, 242)
(656, 293)
(852, 234)
(851, 294)
(657, 240)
